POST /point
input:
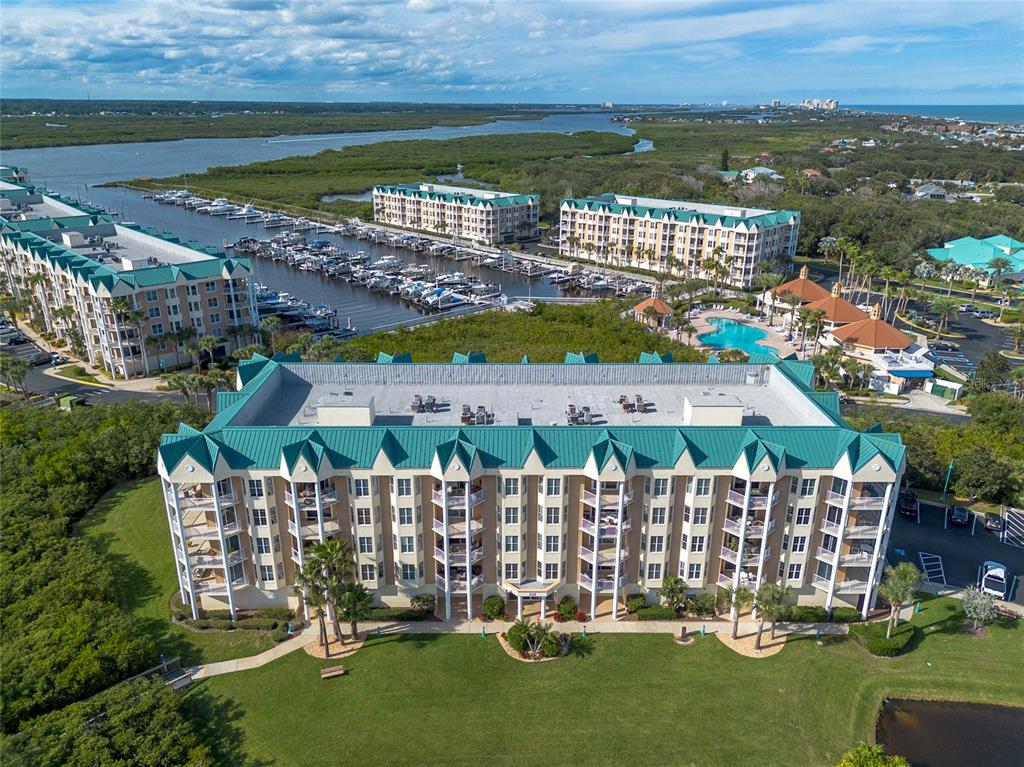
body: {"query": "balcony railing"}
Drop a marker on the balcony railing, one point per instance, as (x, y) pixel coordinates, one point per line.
(457, 528)
(832, 528)
(862, 531)
(820, 583)
(729, 555)
(735, 497)
(759, 500)
(851, 587)
(460, 584)
(456, 499)
(440, 581)
(857, 559)
(753, 529)
(825, 555)
(606, 498)
(836, 499)
(295, 557)
(606, 528)
(603, 557)
(459, 555)
(603, 584)
(868, 502)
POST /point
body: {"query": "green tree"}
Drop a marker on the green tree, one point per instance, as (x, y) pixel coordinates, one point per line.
(207, 344)
(978, 606)
(271, 327)
(944, 308)
(673, 592)
(897, 589)
(353, 605)
(311, 584)
(739, 599)
(13, 371)
(990, 477)
(991, 371)
(724, 161)
(1017, 336)
(998, 265)
(863, 755)
(334, 557)
(771, 602)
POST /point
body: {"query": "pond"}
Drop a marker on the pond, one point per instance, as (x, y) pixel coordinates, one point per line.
(735, 335)
(942, 734)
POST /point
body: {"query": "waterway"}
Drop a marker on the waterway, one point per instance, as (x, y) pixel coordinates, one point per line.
(939, 734)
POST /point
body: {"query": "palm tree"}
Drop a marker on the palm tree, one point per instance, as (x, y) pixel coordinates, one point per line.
(271, 326)
(353, 605)
(944, 307)
(194, 354)
(766, 282)
(949, 272)
(739, 598)
(897, 589)
(153, 343)
(771, 603)
(998, 265)
(817, 326)
(207, 344)
(334, 558)
(135, 318)
(573, 241)
(803, 321)
(1017, 335)
(888, 274)
(537, 634)
(180, 382)
(309, 583)
(1017, 378)
(689, 328)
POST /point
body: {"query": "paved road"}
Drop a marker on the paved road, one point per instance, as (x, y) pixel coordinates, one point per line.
(40, 383)
(962, 549)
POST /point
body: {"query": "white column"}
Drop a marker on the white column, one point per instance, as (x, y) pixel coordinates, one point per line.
(878, 552)
(296, 517)
(184, 550)
(597, 545)
(223, 547)
(764, 538)
(447, 566)
(618, 549)
(839, 544)
(544, 607)
(519, 606)
(319, 511)
(469, 552)
(739, 547)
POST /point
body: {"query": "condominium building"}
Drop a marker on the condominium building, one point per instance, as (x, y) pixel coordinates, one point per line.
(529, 481)
(116, 292)
(480, 215)
(675, 237)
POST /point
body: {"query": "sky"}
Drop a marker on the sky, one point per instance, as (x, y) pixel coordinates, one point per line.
(533, 51)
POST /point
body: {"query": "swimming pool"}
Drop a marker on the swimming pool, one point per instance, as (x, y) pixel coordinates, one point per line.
(735, 335)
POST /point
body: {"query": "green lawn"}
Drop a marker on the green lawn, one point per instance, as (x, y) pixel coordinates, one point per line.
(618, 699)
(131, 526)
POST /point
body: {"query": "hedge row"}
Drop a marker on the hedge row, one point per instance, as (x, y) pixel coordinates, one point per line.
(397, 614)
(246, 624)
(872, 637)
(656, 614)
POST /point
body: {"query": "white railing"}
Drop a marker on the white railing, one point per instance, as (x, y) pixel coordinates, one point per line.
(460, 585)
(735, 497)
(457, 527)
(440, 581)
(837, 499)
(759, 501)
(587, 555)
(825, 555)
(862, 531)
(292, 528)
(456, 499)
(586, 581)
(851, 587)
(729, 555)
(857, 559)
(820, 583)
(725, 581)
(295, 557)
(830, 527)
(610, 498)
(868, 502)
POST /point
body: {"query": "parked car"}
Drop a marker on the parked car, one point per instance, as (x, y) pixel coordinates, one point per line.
(17, 340)
(959, 516)
(966, 308)
(994, 522)
(984, 314)
(57, 359)
(994, 579)
(943, 346)
(39, 358)
(908, 503)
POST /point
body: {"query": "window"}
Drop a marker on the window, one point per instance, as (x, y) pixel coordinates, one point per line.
(511, 515)
(704, 486)
(154, 312)
(789, 514)
(551, 544)
(511, 571)
(266, 572)
(255, 488)
(551, 571)
(511, 485)
(658, 515)
(785, 542)
(405, 516)
(263, 546)
(404, 487)
(807, 487)
(803, 516)
(782, 569)
(394, 541)
(259, 517)
(151, 295)
(170, 293)
(280, 570)
(661, 486)
(697, 543)
(511, 543)
(310, 514)
(362, 488)
(158, 329)
(380, 569)
(367, 572)
(215, 320)
(407, 544)
(210, 287)
(799, 544)
(408, 572)
(365, 544)
(654, 571)
(363, 517)
(553, 514)
(700, 515)
(793, 485)
(657, 543)
(212, 302)
(794, 573)
(554, 486)
(693, 573)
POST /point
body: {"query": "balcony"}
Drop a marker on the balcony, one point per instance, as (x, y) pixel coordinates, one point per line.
(820, 583)
(608, 527)
(868, 503)
(607, 498)
(459, 584)
(735, 498)
(857, 559)
(829, 557)
(729, 555)
(851, 587)
(457, 500)
(217, 588)
(725, 580)
(754, 529)
(604, 556)
(458, 555)
(862, 531)
(296, 558)
(836, 499)
(603, 584)
(827, 526)
(440, 581)
(458, 527)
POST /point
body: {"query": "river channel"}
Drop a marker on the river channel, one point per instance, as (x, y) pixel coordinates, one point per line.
(75, 172)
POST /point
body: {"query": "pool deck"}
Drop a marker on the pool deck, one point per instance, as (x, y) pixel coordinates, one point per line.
(774, 339)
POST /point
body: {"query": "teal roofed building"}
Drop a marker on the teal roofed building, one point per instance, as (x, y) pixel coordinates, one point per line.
(674, 236)
(482, 215)
(530, 481)
(978, 254)
(113, 285)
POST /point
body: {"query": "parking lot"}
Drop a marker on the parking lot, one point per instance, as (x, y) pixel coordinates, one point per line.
(951, 554)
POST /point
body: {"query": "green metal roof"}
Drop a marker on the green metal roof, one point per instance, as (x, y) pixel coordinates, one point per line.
(653, 358)
(596, 204)
(458, 358)
(465, 198)
(580, 358)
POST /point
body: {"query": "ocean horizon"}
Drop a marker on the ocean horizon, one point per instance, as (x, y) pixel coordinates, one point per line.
(986, 113)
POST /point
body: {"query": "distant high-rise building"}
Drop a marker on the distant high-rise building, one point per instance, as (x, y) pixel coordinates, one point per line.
(776, 102)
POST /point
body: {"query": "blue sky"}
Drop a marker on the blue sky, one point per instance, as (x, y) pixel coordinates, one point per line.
(859, 51)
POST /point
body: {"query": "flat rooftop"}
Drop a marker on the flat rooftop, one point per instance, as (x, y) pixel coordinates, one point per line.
(27, 204)
(696, 207)
(141, 249)
(322, 394)
(456, 191)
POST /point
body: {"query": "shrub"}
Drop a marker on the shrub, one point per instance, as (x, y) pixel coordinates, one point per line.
(516, 637)
(279, 634)
(257, 624)
(424, 602)
(580, 616)
(872, 637)
(550, 647)
(279, 613)
(395, 614)
(202, 624)
(845, 615)
(218, 614)
(806, 614)
(701, 604)
(656, 614)
(224, 625)
(178, 615)
(635, 602)
(567, 608)
(494, 607)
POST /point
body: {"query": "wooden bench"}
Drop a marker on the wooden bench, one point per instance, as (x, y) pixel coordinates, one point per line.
(333, 671)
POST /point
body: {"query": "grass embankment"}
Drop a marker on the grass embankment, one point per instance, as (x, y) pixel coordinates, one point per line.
(78, 373)
(31, 131)
(302, 181)
(935, 497)
(457, 700)
(130, 526)
(545, 335)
